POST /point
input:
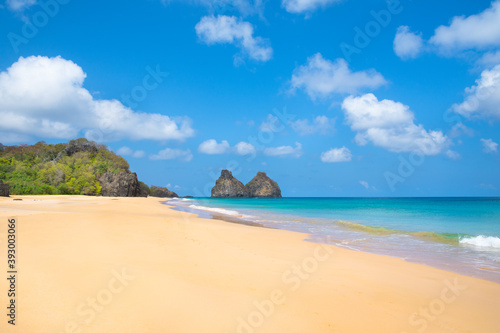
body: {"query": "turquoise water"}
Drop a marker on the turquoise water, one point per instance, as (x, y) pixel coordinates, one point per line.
(457, 234)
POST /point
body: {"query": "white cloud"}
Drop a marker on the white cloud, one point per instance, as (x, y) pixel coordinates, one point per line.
(211, 147)
(285, 151)
(407, 44)
(7, 137)
(452, 154)
(271, 124)
(171, 154)
(44, 97)
(230, 30)
(245, 7)
(390, 125)
(489, 146)
(322, 78)
(126, 151)
(460, 129)
(139, 154)
(489, 59)
(320, 124)
(301, 6)
(245, 148)
(19, 4)
(483, 99)
(336, 155)
(478, 31)
(364, 184)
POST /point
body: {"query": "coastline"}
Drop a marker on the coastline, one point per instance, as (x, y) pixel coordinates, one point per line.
(455, 252)
(151, 268)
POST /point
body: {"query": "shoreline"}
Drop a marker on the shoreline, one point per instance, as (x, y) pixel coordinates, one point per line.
(373, 245)
(228, 276)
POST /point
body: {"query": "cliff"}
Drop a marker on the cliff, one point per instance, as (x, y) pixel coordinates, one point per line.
(228, 187)
(4, 189)
(261, 186)
(122, 184)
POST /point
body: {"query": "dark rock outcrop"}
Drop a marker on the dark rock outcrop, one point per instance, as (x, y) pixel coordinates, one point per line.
(261, 186)
(76, 146)
(4, 189)
(228, 187)
(162, 192)
(122, 184)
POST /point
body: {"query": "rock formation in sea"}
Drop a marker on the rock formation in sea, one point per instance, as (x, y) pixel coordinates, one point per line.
(122, 184)
(228, 187)
(4, 189)
(162, 192)
(261, 186)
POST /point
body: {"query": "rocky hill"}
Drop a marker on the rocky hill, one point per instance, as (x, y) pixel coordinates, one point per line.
(228, 187)
(261, 186)
(78, 167)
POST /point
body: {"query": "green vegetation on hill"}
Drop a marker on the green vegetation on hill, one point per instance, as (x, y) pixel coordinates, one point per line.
(72, 168)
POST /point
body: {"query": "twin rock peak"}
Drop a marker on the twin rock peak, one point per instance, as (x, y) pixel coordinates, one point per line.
(261, 186)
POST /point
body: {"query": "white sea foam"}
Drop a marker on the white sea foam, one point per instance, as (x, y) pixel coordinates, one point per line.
(482, 241)
(216, 210)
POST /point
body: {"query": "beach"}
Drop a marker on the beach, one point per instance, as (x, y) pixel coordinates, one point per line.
(100, 264)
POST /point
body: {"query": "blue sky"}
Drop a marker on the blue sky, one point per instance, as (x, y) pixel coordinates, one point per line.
(330, 98)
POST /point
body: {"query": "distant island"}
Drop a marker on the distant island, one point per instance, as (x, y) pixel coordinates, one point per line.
(80, 167)
(261, 186)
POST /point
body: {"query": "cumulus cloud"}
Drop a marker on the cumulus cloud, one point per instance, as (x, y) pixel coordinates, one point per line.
(478, 31)
(320, 125)
(322, 78)
(284, 151)
(304, 6)
(223, 29)
(407, 44)
(390, 125)
(44, 97)
(245, 148)
(483, 99)
(126, 151)
(336, 155)
(172, 154)
(489, 146)
(19, 4)
(211, 147)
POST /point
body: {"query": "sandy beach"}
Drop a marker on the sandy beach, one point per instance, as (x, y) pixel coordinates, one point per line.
(97, 264)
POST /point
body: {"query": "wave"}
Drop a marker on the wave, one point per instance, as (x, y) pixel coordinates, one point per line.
(482, 241)
(216, 210)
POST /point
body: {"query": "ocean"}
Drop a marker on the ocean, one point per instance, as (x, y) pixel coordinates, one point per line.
(456, 234)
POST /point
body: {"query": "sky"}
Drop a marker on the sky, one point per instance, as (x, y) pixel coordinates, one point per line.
(330, 98)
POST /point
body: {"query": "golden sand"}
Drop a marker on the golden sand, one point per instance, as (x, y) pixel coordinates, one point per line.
(88, 264)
